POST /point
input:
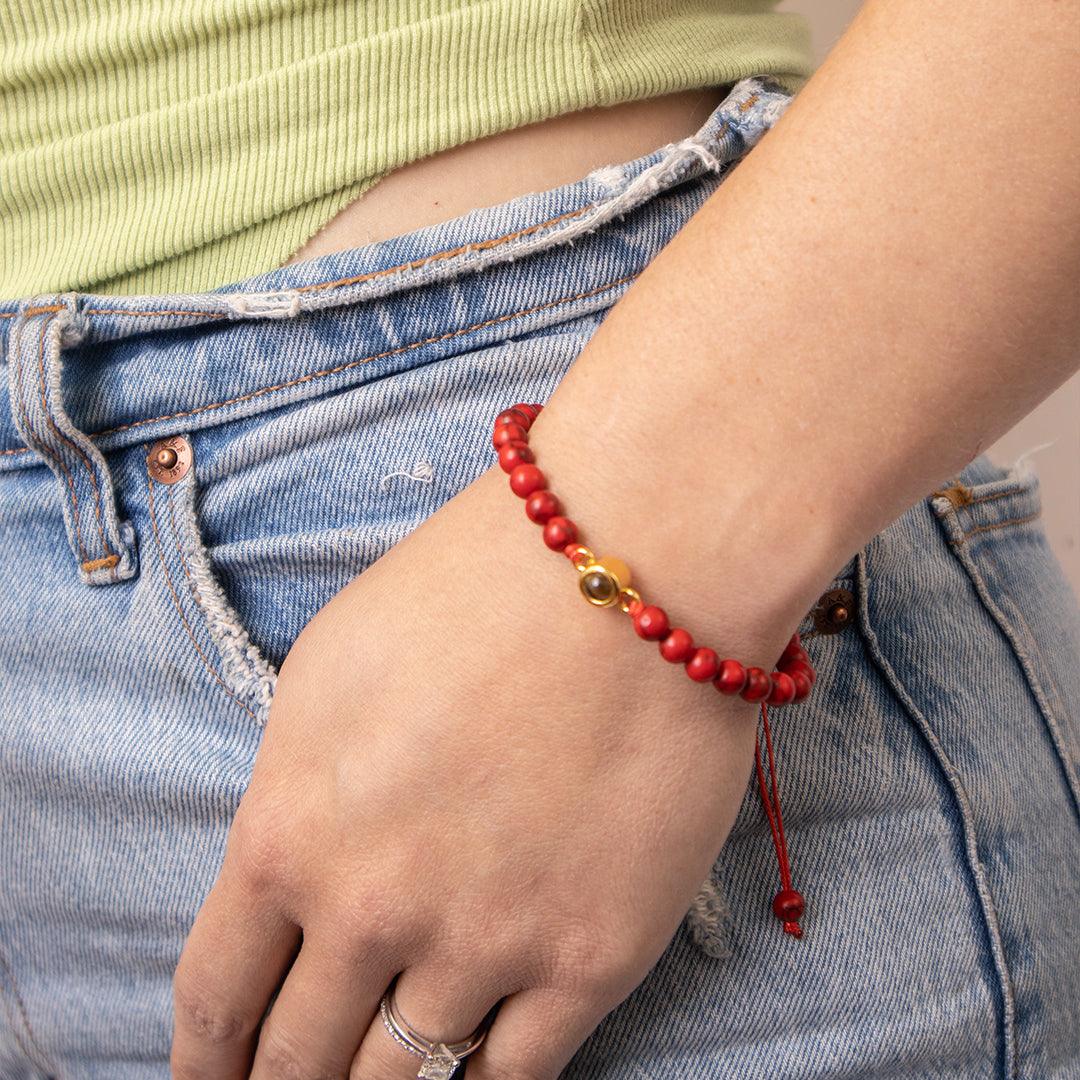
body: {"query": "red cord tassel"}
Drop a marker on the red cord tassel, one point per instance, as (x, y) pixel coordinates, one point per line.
(788, 904)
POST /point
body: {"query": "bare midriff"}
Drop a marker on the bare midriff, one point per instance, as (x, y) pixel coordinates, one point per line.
(492, 170)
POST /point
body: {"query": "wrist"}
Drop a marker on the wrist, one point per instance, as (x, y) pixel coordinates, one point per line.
(737, 555)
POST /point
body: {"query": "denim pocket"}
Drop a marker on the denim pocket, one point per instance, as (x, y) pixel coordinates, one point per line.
(286, 507)
(222, 645)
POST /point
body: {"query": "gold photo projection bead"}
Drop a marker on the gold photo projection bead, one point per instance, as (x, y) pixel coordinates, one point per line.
(602, 581)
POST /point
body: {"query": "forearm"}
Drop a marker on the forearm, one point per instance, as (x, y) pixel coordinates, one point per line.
(885, 285)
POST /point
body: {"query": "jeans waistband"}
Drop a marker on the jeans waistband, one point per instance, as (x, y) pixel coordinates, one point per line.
(87, 374)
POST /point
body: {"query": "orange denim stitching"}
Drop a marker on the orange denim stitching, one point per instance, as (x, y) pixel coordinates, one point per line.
(413, 264)
(479, 245)
(41, 446)
(98, 504)
(1003, 524)
(179, 549)
(997, 495)
(176, 599)
(351, 364)
(960, 496)
(144, 314)
(100, 564)
(996, 525)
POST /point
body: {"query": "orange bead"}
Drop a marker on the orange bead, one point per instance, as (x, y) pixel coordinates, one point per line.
(616, 567)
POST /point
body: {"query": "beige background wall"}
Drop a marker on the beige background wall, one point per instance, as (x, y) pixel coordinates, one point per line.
(1056, 422)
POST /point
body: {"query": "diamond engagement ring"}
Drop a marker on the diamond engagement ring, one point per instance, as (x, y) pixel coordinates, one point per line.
(440, 1059)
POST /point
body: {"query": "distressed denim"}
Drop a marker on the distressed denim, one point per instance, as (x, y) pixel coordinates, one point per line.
(929, 783)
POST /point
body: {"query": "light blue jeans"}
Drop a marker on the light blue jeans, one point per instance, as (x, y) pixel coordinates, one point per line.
(929, 783)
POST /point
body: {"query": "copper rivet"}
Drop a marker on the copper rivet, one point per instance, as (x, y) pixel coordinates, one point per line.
(833, 611)
(169, 459)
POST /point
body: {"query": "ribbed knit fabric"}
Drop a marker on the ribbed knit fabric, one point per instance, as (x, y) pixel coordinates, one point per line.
(179, 145)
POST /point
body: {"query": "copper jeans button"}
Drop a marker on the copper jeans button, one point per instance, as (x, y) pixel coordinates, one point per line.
(169, 459)
(834, 611)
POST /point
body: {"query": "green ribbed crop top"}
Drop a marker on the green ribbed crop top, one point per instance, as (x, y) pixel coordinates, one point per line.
(178, 145)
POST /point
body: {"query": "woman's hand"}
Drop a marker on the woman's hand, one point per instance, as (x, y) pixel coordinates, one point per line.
(474, 779)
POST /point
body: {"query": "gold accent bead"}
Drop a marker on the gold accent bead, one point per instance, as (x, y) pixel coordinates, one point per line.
(626, 596)
(617, 568)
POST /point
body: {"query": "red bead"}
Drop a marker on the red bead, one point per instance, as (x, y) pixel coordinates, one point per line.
(798, 667)
(542, 505)
(731, 678)
(559, 531)
(514, 415)
(757, 684)
(802, 685)
(703, 665)
(505, 433)
(634, 606)
(678, 646)
(788, 905)
(793, 650)
(571, 551)
(781, 690)
(512, 454)
(799, 656)
(651, 623)
(531, 411)
(539, 408)
(527, 478)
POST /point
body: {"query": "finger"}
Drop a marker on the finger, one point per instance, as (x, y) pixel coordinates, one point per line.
(534, 1036)
(328, 1001)
(440, 1009)
(234, 959)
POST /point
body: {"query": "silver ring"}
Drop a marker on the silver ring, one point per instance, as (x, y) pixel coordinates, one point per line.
(440, 1059)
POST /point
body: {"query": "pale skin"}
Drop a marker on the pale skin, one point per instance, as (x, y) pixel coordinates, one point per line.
(511, 798)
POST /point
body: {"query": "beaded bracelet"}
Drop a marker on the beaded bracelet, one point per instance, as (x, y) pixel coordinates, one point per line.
(605, 582)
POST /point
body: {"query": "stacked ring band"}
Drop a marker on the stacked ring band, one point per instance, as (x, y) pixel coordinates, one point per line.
(440, 1059)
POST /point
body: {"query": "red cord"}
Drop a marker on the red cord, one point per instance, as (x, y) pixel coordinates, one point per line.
(788, 904)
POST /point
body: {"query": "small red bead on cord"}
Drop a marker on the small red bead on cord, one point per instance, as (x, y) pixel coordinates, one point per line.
(791, 681)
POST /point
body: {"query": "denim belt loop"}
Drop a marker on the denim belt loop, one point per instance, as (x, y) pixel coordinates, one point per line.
(104, 547)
